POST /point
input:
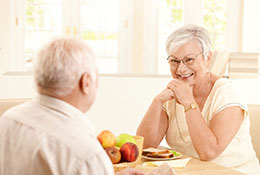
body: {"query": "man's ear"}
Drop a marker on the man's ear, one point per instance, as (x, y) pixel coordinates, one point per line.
(85, 83)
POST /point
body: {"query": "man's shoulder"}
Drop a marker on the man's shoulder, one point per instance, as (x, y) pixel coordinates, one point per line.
(19, 112)
(80, 146)
(53, 130)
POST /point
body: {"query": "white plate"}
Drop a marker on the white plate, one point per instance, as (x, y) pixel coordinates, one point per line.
(172, 158)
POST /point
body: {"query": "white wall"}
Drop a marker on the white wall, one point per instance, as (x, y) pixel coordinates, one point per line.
(251, 27)
(120, 104)
(5, 33)
(121, 100)
(15, 86)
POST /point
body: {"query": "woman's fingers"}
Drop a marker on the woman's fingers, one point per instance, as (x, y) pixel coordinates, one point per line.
(173, 85)
(182, 90)
(166, 95)
(172, 93)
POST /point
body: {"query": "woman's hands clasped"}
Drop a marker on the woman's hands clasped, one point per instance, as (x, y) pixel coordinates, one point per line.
(166, 95)
(178, 89)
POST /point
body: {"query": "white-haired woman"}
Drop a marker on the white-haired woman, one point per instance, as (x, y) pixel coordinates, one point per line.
(199, 113)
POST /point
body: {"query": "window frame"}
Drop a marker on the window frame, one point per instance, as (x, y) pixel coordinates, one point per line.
(127, 62)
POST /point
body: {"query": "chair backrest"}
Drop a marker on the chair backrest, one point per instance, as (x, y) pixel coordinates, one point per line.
(218, 63)
(254, 114)
(243, 65)
(8, 103)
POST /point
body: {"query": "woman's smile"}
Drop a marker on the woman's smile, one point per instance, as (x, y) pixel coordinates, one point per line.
(185, 77)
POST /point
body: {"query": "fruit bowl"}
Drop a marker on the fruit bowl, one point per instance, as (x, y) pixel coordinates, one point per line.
(123, 165)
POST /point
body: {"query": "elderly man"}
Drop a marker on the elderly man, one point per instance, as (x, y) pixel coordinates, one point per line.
(50, 134)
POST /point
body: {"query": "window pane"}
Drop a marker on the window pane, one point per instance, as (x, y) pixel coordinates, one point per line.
(43, 20)
(215, 21)
(170, 18)
(99, 27)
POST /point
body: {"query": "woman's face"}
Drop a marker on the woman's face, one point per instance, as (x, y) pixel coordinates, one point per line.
(187, 63)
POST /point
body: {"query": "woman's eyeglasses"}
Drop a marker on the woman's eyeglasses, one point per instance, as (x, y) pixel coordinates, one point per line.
(187, 60)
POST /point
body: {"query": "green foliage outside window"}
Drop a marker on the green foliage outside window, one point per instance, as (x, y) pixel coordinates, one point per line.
(34, 13)
(215, 21)
(214, 18)
(91, 35)
(176, 10)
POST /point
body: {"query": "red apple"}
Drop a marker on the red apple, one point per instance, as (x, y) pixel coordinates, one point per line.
(129, 152)
(114, 154)
(106, 139)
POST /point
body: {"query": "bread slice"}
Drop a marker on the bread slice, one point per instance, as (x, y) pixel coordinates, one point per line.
(164, 155)
(156, 151)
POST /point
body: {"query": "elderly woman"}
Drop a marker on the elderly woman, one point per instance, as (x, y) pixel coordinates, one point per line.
(199, 113)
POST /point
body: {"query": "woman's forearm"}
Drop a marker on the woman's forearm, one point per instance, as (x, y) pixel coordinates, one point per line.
(154, 125)
(210, 140)
(203, 139)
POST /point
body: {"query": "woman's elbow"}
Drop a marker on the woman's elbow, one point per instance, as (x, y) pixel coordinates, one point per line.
(150, 140)
(150, 144)
(208, 156)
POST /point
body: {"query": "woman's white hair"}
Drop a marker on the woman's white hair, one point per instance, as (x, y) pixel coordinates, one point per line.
(186, 34)
(60, 64)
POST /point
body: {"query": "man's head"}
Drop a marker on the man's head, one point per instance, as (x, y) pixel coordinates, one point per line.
(65, 67)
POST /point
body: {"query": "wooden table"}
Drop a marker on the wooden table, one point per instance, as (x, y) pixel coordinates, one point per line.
(197, 167)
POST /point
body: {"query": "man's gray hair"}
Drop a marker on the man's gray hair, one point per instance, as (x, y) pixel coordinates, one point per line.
(60, 64)
(186, 34)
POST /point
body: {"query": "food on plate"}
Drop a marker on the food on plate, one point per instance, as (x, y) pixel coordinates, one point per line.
(106, 139)
(157, 153)
(129, 152)
(175, 153)
(114, 154)
(164, 155)
(154, 151)
(123, 138)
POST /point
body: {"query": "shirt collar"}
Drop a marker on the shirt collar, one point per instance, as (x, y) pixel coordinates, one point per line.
(65, 108)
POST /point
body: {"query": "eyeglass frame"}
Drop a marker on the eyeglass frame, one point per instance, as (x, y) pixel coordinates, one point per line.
(184, 59)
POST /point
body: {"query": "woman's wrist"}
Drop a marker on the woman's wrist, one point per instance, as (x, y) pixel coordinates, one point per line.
(188, 103)
(191, 106)
(158, 99)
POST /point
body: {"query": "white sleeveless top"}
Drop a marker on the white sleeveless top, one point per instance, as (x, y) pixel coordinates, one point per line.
(239, 154)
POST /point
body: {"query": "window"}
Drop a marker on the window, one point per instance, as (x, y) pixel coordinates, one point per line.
(215, 21)
(43, 20)
(128, 36)
(95, 21)
(170, 17)
(100, 30)
(172, 14)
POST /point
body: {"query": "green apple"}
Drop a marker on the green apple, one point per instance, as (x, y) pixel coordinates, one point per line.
(123, 138)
